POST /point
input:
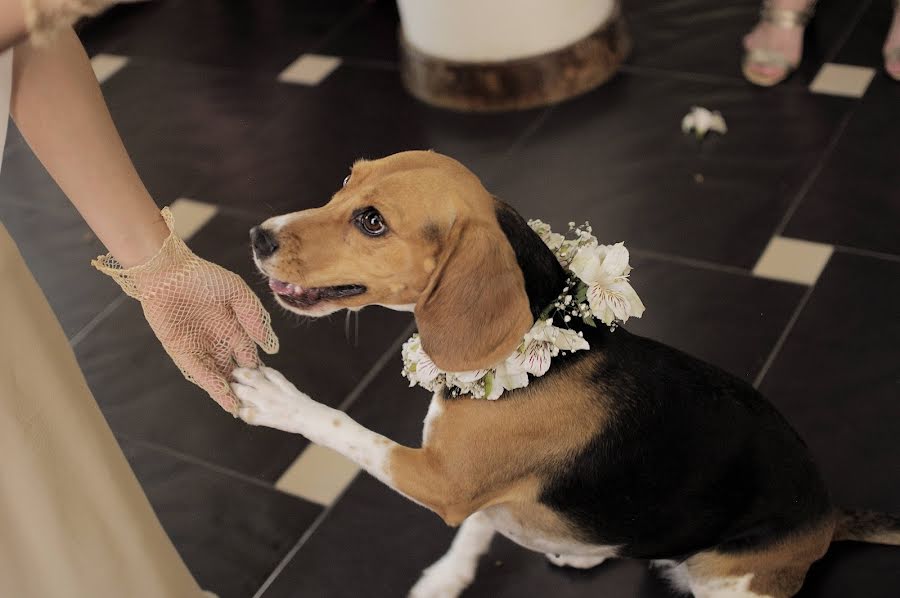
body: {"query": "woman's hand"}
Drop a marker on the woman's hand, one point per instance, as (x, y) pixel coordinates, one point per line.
(206, 317)
(44, 18)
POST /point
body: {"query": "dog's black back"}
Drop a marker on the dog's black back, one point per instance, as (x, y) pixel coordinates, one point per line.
(689, 458)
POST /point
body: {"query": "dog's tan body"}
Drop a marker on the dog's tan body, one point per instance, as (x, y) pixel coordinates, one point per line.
(490, 466)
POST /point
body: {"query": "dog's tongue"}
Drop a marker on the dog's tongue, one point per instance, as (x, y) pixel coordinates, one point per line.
(283, 288)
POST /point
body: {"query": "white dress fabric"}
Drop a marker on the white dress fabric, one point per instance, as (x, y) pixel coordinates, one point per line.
(5, 90)
(74, 522)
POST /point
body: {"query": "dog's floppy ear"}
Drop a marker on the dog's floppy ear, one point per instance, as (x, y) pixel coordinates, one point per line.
(474, 311)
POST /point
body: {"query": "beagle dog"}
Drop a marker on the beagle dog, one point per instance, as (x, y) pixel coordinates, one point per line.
(629, 449)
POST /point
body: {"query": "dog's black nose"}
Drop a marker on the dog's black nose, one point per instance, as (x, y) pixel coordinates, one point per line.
(263, 241)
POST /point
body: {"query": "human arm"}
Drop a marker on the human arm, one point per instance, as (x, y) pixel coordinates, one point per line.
(12, 23)
(205, 316)
(57, 105)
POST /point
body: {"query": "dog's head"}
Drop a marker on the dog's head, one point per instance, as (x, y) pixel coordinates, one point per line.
(415, 231)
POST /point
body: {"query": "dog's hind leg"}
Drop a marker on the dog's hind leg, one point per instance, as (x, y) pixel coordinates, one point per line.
(576, 562)
(453, 572)
(775, 570)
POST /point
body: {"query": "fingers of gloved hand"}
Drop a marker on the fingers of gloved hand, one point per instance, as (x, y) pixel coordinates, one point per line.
(245, 355)
(255, 319)
(203, 371)
(223, 360)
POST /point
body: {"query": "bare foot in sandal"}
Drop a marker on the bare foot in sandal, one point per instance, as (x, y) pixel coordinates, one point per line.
(774, 47)
(892, 45)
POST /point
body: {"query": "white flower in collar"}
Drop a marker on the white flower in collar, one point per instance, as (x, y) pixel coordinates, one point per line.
(604, 269)
(418, 367)
(701, 121)
(466, 377)
(542, 343)
(555, 338)
(509, 375)
(532, 356)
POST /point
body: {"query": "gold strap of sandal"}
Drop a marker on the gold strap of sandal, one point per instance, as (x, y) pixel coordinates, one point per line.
(785, 17)
(769, 58)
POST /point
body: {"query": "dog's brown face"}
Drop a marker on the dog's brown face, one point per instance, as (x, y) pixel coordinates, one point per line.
(414, 231)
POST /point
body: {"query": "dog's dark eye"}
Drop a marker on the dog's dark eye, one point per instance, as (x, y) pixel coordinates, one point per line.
(346, 180)
(371, 222)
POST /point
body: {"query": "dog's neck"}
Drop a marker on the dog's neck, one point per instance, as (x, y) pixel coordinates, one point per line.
(544, 277)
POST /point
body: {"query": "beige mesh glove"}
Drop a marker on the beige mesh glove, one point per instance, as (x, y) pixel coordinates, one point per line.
(207, 318)
(43, 18)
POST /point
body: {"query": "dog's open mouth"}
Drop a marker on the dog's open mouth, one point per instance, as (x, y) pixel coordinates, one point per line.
(300, 297)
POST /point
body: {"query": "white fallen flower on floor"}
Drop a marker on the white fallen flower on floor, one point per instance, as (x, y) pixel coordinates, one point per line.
(701, 121)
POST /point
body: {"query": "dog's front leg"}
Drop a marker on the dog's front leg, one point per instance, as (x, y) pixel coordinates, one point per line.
(453, 572)
(268, 399)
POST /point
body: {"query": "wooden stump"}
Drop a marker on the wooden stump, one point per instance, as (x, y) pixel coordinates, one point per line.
(517, 84)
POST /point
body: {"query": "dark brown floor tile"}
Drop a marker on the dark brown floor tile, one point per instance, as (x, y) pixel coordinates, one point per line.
(307, 148)
(262, 36)
(730, 320)
(836, 379)
(231, 533)
(855, 200)
(617, 157)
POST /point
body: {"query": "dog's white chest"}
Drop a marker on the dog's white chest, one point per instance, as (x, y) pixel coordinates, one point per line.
(435, 409)
(539, 540)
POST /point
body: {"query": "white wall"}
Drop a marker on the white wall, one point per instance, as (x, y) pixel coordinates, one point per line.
(498, 30)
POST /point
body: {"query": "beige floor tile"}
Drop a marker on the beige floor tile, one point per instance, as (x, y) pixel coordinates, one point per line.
(107, 65)
(191, 215)
(318, 475)
(309, 69)
(793, 260)
(842, 80)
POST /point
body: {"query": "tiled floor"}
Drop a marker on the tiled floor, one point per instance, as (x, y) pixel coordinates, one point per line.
(773, 251)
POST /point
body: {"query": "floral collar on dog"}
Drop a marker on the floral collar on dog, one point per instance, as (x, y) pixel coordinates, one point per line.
(597, 288)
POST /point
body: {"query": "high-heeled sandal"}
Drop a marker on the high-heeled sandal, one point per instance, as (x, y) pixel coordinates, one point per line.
(892, 55)
(780, 17)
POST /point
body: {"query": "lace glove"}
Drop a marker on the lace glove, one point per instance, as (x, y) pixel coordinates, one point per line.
(43, 18)
(206, 317)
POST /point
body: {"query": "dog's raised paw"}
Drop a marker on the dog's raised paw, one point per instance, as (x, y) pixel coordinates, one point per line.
(249, 376)
(267, 398)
